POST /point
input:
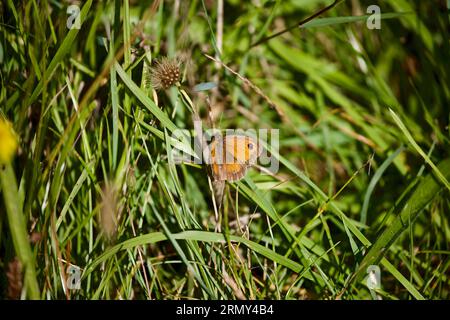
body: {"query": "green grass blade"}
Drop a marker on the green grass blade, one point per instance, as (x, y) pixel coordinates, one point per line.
(144, 99)
(408, 285)
(62, 51)
(18, 228)
(427, 189)
(322, 22)
(374, 181)
(202, 236)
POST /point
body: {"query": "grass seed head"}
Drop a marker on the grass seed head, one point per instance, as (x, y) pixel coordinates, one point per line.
(109, 210)
(165, 74)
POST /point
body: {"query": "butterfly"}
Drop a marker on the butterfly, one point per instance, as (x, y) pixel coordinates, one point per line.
(232, 155)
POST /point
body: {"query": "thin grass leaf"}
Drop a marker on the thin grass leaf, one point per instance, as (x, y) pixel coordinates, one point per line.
(18, 227)
(376, 177)
(424, 193)
(322, 22)
(202, 236)
(144, 99)
(411, 140)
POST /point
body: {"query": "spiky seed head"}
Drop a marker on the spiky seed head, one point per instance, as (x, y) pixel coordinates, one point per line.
(165, 74)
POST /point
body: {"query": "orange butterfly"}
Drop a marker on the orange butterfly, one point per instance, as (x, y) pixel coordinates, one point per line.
(232, 155)
(230, 158)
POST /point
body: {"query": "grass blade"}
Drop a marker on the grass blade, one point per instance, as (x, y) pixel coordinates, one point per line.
(202, 236)
(18, 228)
(427, 189)
(411, 140)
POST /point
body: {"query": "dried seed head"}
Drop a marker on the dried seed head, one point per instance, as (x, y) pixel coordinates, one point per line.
(109, 210)
(166, 73)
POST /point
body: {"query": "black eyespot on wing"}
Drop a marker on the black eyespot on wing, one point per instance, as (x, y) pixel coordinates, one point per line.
(250, 146)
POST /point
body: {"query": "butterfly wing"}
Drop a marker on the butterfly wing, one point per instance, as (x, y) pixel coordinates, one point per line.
(229, 172)
(241, 149)
(240, 152)
(231, 156)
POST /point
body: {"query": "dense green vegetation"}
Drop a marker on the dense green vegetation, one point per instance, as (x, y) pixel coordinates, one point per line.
(89, 179)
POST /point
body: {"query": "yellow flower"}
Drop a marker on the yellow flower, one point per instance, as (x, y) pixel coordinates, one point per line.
(8, 142)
